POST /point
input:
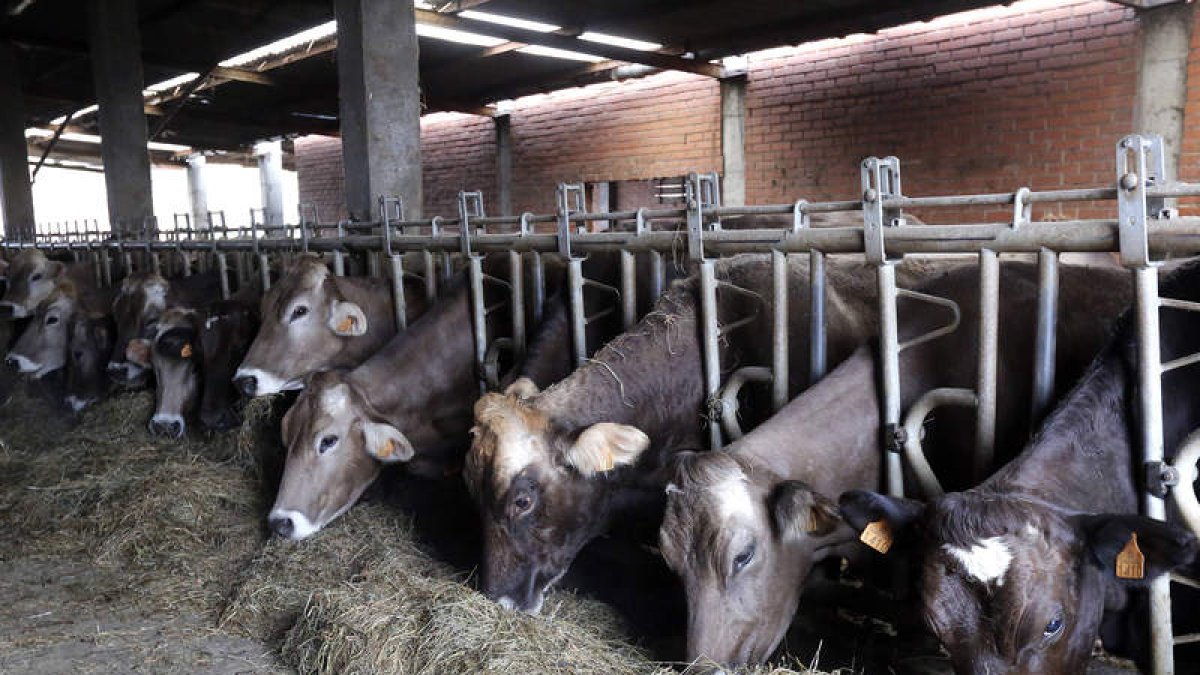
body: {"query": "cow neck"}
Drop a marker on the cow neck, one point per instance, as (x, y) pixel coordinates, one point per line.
(426, 368)
(648, 377)
(828, 436)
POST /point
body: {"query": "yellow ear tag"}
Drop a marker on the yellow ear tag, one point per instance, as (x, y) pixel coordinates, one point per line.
(387, 449)
(186, 351)
(608, 460)
(346, 324)
(1131, 564)
(877, 535)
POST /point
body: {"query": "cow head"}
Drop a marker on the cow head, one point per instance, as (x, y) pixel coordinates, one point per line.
(744, 541)
(91, 341)
(42, 348)
(31, 278)
(305, 324)
(1012, 585)
(141, 300)
(542, 493)
(334, 438)
(224, 338)
(175, 357)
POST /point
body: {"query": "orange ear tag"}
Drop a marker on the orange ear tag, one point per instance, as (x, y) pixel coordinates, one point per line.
(877, 535)
(186, 351)
(1131, 564)
(608, 460)
(346, 324)
(387, 449)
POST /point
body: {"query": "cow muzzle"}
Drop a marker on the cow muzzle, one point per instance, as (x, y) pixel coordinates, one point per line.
(290, 524)
(21, 363)
(11, 310)
(171, 426)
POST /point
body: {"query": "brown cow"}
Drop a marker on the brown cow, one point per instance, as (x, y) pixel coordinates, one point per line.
(142, 298)
(744, 527)
(174, 358)
(92, 336)
(42, 348)
(31, 277)
(551, 472)
(313, 320)
(1021, 573)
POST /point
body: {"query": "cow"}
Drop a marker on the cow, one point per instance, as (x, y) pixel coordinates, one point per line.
(229, 328)
(90, 341)
(313, 320)
(141, 300)
(42, 347)
(1022, 573)
(410, 402)
(553, 470)
(174, 360)
(32, 277)
(744, 528)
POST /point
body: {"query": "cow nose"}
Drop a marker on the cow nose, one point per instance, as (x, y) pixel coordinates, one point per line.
(247, 384)
(169, 428)
(6, 310)
(116, 371)
(282, 525)
(223, 420)
(11, 362)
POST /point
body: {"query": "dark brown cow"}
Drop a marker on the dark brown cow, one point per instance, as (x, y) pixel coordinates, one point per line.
(410, 402)
(175, 360)
(551, 472)
(142, 299)
(229, 328)
(744, 527)
(92, 336)
(313, 320)
(1018, 575)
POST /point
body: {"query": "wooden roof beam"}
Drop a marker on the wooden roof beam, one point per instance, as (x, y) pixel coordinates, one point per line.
(533, 37)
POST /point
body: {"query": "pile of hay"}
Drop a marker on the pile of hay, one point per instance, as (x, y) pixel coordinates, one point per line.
(179, 527)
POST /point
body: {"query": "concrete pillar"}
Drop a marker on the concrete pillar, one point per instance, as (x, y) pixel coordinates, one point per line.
(116, 53)
(1164, 37)
(198, 191)
(16, 195)
(380, 103)
(733, 141)
(270, 174)
(503, 164)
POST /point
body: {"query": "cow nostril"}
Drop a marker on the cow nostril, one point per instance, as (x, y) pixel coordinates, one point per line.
(281, 525)
(11, 362)
(247, 384)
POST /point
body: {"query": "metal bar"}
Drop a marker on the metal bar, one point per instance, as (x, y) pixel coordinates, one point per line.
(516, 269)
(914, 453)
(399, 303)
(1045, 346)
(628, 290)
(889, 354)
(578, 311)
(223, 275)
(729, 396)
(537, 277)
(264, 272)
(710, 347)
(658, 275)
(779, 331)
(989, 346)
(1185, 493)
(478, 317)
(430, 277)
(818, 344)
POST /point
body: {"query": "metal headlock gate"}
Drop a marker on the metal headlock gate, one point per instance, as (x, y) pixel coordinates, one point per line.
(1143, 229)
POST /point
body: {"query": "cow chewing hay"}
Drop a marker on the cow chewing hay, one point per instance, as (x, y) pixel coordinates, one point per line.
(171, 529)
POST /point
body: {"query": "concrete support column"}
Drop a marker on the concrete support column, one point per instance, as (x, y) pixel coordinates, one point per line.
(503, 164)
(116, 53)
(1164, 37)
(380, 103)
(733, 141)
(16, 194)
(270, 174)
(198, 191)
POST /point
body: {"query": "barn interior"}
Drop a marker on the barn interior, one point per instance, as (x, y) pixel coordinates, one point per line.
(126, 552)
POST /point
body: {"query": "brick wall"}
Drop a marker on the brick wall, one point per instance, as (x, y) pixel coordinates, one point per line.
(1034, 94)
(319, 169)
(1189, 158)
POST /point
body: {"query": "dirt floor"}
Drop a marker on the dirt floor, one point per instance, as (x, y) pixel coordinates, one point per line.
(123, 553)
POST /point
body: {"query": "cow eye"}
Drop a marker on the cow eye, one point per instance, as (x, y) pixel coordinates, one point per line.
(743, 559)
(36, 277)
(523, 502)
(78, 354)
(301, 310)
(1053, 628)
(51, 320)
(327, 443)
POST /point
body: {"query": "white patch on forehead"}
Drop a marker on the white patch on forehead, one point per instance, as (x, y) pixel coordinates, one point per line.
(514, 452)
(733, 499)
(986, 561)
(156, 296)
(336, 400)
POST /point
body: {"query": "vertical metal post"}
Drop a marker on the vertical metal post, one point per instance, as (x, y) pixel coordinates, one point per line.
(264, 271)
(339, 257)
(710, 347)
(658, 275)
(628, 290)
(516, 270)
(1140, 164)
(817, 358)
(223, 274)
(537, 277)
(431, 281)
(985, 387)
(399, 302)
(578, 314)
(779, 334)
(106, 267)
(1045, 348)
(478, 317)
(373, 264)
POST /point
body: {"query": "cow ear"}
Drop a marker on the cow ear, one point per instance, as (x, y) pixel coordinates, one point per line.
(347, 319)
(522, 388)
(605, 446)
(800, 512)
(1135, 549)
(54, 269)
(385, 443)
(879, 519)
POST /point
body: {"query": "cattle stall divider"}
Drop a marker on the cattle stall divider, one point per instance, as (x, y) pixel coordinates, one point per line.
(1143, 231)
